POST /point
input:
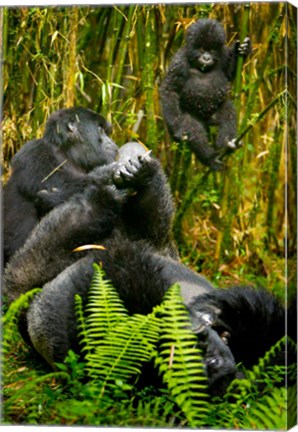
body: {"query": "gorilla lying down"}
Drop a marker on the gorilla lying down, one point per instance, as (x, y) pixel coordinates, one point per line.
(236, 325)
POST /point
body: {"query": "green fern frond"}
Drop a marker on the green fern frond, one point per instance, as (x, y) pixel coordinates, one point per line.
(117, 344)
(120, 355)
(269, 356)
(81, 325)
(104, 308)
(11, 317)
(179, 360)
(268, 370)
(269, 412)
(292, 405)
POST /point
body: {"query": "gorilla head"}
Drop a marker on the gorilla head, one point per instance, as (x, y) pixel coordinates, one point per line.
(83, 136)
(205, 40)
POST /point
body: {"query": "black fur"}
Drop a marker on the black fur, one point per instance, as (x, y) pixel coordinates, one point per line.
(137, 260)
(194, 94)
(139, 207)
(76, 139)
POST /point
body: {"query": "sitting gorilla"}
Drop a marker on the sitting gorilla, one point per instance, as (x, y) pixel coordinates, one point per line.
(194, 93)
(238, 325)
(75, 142)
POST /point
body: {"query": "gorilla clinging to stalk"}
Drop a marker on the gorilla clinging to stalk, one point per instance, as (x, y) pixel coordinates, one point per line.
(233, 326)
(75, 142)
(194, 93)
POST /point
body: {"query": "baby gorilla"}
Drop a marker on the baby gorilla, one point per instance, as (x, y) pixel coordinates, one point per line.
(74, 143)
(194, 94)
(232, 326)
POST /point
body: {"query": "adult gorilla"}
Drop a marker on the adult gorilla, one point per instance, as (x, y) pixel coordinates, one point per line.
(236, 325)
(74, 143)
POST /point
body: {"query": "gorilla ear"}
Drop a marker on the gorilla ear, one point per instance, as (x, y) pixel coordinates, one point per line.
(72, 127)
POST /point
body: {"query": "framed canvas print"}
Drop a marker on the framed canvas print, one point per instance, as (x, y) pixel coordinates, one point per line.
(149, 217)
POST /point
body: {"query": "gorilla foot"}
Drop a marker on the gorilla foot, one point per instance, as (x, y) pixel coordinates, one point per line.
(234, 144)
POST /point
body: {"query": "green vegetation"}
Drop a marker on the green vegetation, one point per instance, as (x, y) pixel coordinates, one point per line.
(234, 226)
(105, 387)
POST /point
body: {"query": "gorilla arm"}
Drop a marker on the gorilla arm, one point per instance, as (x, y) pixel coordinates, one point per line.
(149, 210)
(170, 88)
(85, 218)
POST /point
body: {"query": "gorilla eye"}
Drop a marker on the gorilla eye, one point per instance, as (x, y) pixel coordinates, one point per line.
(225, 336)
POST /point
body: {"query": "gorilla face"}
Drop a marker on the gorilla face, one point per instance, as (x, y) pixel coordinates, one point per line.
(91, 146)
(83, 136)
(204, 57)
(220, 365)
(206, 60)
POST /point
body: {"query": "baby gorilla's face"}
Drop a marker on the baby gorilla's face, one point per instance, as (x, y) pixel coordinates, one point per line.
(206, 60)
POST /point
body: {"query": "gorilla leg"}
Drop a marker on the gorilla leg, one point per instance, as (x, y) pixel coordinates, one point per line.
(51, 316)
(51, 320)
(86, 218)
(226, 119)
(197, 137)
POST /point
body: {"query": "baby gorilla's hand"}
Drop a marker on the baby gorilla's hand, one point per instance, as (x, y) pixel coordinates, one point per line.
(135, 172)
(244, 49)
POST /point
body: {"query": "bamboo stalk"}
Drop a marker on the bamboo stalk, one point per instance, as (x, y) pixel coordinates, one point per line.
(122, 52)
(148, 78)
(3, 47)
(41, 82)
(231, 195)
(252, 97)
(199, 181)
(70, 88)
(240, 60)
(106, 87)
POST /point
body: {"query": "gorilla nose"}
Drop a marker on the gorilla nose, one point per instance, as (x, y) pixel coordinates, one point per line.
(207, 58)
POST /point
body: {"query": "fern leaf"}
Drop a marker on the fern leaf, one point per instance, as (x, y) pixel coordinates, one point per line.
(269, 412)
(121, 353)
(104, 307)
(179, 360)
(269, 356)
(117, 344)
(10, 319)
(81, 325)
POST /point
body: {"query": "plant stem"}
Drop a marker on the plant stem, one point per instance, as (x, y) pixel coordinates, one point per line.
(148, 78)
(240, 60)
(70, 89)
